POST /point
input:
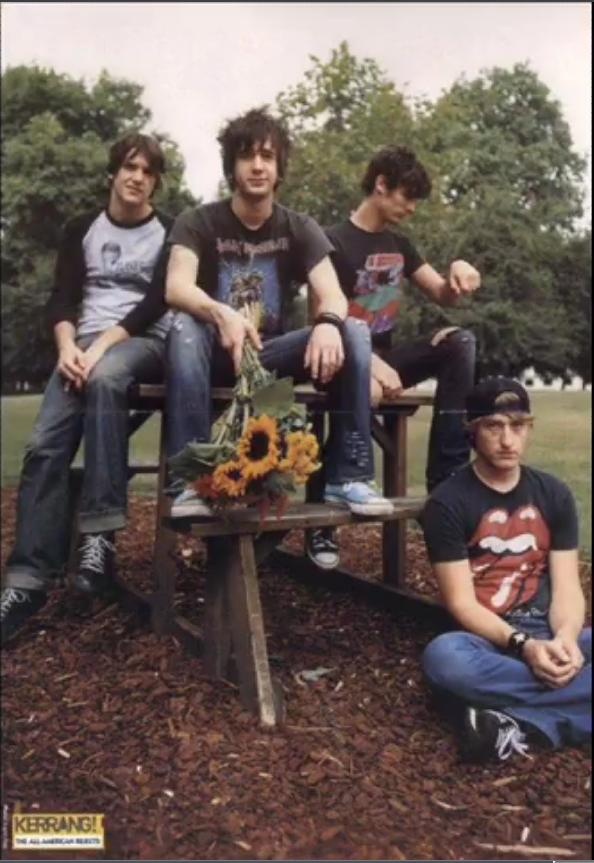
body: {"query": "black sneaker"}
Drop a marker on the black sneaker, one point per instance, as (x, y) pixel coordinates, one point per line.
(322, 548)
(17, 605)
(490, 735)
(95, 564)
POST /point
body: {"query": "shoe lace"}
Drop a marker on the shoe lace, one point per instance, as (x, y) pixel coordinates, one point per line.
(10, 598)
(510, 739)
(93, 552)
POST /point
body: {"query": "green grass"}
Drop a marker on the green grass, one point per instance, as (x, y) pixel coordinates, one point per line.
(560, 444)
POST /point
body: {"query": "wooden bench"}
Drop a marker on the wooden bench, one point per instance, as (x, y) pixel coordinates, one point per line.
(232, 641)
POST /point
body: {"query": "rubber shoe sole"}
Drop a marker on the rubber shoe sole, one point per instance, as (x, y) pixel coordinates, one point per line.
(331, 563)
(197, 509)
(380, 507)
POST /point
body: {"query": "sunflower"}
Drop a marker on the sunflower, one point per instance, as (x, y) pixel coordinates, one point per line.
(259, 447)
(228, 479)
(300, 459)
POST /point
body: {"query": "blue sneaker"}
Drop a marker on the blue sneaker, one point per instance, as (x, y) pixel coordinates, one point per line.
(360, 497)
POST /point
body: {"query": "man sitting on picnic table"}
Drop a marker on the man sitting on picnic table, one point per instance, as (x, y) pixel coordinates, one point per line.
(503, 539)
(372, 260)
(250, 244)
(110, 322)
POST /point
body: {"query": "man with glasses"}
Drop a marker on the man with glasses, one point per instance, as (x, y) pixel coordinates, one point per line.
(502, 538)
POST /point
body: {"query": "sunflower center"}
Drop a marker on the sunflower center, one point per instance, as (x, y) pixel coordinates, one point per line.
(259, 446)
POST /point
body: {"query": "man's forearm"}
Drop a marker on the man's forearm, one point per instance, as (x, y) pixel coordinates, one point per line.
(567, 615)
(110, 337)
(194, 301)
(64, 333)
(477, 619)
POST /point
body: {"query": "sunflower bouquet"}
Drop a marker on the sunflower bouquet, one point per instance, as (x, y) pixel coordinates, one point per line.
(261, 447)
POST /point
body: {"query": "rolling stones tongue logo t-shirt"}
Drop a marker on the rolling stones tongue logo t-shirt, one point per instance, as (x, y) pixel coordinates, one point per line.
(506, 538)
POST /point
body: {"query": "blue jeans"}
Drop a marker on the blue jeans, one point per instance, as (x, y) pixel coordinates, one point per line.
(196, 361)
(478, 673)
(99, 415)
(452, 362)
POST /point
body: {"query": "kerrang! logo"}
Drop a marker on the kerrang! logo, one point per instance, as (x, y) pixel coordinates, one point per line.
(56, 823)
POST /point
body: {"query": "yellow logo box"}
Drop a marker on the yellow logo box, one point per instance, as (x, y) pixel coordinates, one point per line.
(63, 830)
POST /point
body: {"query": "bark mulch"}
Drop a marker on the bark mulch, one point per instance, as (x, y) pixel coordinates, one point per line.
(100, 715)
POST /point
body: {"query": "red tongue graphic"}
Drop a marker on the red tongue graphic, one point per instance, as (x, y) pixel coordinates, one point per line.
(506, 578)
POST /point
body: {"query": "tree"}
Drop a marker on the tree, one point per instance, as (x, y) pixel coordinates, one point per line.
(342, 111)
(573, 284)
(510, 185)
(507, 189)
(55, 137)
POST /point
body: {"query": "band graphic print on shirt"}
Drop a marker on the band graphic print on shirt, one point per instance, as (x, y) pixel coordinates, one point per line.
(378, 291)
(509, 553)
(248, 273)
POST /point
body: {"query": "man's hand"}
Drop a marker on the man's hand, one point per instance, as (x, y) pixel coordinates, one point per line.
(233, 328)
(551, 661)
(324, 354)
(386, 377)
(71, 364)
(91, 357)
(463, 278)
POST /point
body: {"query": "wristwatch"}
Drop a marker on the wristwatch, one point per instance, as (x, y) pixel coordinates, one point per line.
(330, 318)
(516, 642)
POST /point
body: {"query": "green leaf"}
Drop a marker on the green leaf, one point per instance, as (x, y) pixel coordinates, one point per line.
(276, 399)
(197, 459)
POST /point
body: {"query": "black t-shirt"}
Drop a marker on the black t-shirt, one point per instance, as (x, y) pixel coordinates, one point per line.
(370, 267)
(505, 537)
(238, 265)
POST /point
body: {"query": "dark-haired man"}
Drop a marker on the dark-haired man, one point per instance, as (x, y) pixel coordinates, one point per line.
(502, 538)
(250, 244)
(371, 261)
(110, 322)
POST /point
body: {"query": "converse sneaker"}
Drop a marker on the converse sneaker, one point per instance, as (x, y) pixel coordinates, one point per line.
(322, 548)
(188, 503)
(492, 735)
(360, 497)
(95, 565)
(17, 605)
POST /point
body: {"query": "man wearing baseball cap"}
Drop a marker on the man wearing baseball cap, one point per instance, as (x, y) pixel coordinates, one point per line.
(502, 538)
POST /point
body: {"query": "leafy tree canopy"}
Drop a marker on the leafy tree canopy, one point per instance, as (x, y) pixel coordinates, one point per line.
(56, 133)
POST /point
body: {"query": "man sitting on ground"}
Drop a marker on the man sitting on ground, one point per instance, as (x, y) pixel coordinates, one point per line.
(251, 244)
(110, 322)
(371, 261)
(502, 538)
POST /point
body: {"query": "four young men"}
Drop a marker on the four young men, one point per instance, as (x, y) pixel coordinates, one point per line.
(502, 537)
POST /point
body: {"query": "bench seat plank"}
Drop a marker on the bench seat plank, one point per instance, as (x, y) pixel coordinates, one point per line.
(298, 516)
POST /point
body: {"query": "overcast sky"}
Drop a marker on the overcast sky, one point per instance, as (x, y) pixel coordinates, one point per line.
(202, 63)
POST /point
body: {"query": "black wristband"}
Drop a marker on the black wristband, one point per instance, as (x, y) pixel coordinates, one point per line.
(330, 318)
(516, 642)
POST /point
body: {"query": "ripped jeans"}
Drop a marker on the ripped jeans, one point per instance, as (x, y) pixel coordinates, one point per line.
(196, 361)
(451, 360)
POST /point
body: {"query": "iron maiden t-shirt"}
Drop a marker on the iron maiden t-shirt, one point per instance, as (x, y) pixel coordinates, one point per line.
(239, 265)
(506, 538)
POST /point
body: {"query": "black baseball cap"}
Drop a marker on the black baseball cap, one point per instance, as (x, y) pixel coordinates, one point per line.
(496, 395)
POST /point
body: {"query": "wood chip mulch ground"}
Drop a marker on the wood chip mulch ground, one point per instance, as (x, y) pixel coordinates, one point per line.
(101, 716)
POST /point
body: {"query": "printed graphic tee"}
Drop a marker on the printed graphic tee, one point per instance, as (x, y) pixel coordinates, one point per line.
(110, 273)
(506, 538)
(238, 265)
(370, 268)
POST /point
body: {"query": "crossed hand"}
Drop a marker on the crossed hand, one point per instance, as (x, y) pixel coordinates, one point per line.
(555, 661)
